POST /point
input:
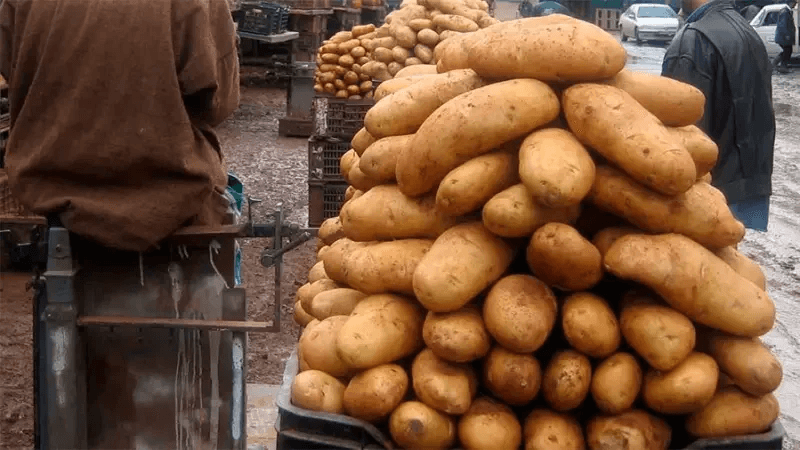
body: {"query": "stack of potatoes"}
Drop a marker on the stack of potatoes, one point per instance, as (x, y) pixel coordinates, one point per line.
(531, 255)
(339, 64)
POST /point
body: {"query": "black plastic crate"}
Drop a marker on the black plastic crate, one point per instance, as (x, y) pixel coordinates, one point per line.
(263, 18)
(324, 155)
(339, 117)
(325, 199)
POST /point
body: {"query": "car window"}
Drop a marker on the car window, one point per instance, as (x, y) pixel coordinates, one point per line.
(656, 11)
(771, 19)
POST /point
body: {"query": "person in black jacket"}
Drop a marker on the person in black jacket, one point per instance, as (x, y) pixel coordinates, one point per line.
(784, 36)
(720, 53)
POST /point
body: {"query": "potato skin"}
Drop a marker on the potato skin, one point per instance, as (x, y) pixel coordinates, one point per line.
(514, 213)
(631, 430)
(317, 391)
(693, 281)
(307, 292)
(564, 259)
(747, 361)
(379, 160)
(417, 72)
(489, 424)
(385, 266)
(373, 394)
(514, 378)
(683, 390)
(459, 336)
(347, 161)
(416, 425)
(703, 150)
(555, 168)
(334, 259)
(743, 265)
(733, 413)
(616, 383)
(317, 272)
(548, 430)
(361, 141)
(330, 231)
(442, 385)
(520, 311)
(567, 379)
(673, 102)
(659, 334)
(469, 186)
(301, 317)
(318, 345)
(335, 302)
(603, 239)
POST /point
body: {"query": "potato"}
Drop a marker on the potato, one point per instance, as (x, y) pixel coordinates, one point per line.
(428, 37)
(458, 336)
(416, 425)
(743, 265)
(411, 71)
(382, 31)
(381, 329)
(329, 88)
(693, 281)
(391, 86)
(340, 71)
(548, 430)
(350, 77)
(406, 37)
(452, 48)
(334, 259)
(394, 67)
(307, 292)
(606, 237)
(631, 430)
(514, 378)
(469, 186)
(379, 160)
(413, 61)
(555, 168)
(383, 55)
(733, 413)
(341, 36)
(420, 24)
(470, 125)
(384, 213)
(513, 213)
(402, 112)
(706, 178)
(445, 386)
(341, 93)
(683, 390)
(601, 117)
(564, 259)
(318, 88)
(446, 34)
(365, 86)
(330, 48)
(701, 213)
(360, 30)
(566, 380)
(317, 391)
(349, 45)
(329, 58)
(748, 362)
(347, 161)
(361, 141)
(301, 317)
(385, 266)
(319, 347)
(321, 253)
(703, 150)
(489, 424)
(520, 312)
(616, 383)
(359, 179)
(487, 21)
(400, 54)
(330, 231)
(463, 261)
(455, 23)
(590, 325)
(346, 61)
(335, 302)
(673, 102)
(317, 272)
(373, 394)
(659, 334)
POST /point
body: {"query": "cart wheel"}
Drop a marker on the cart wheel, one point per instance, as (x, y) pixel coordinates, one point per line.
(636, 34)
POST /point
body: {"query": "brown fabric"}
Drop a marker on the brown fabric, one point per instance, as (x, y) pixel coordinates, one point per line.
(113, 104)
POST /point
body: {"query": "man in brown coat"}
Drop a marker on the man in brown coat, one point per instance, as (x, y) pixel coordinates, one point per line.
(113, 105)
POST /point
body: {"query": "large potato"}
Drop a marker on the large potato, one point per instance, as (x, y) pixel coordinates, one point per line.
(548, 430)
(359, 179)
(703, 150)
(489, 424)
(445, 386)
(335, 302)
(631, 430)
(463, 261)
(416, 425)
(520, 312)
(347, 161)
(422, 70)
(733, 413)
(567, 379)
(616, 383)
(385, 266)
(514, 213)
(470, 125)
(334, 260)
(317, 391)
(603, 117)
(659, 334)
(374, 393)
(459, 336)
(673, 102)
(379, 160)
(514, 378)
(469, 186)
(301, 317)
(694, 281)
(564, 259)
(683, 390)
(746, 361)
(385, 329)
(389, 87)
(317, 272)
(385, 213)
(555, 168)
(701, 213)
(404, 111)
(330, 231)
(361, 141)
(590, 325)
(307, 292)
(743, 265)
(319, 347)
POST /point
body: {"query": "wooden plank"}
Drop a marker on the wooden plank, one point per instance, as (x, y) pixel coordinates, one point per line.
(158, 322)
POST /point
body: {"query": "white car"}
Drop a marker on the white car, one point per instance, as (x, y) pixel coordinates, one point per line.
(649, 22)
(765, 23)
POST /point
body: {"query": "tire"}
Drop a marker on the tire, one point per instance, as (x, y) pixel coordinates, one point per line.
(636, 35)
(624, 36)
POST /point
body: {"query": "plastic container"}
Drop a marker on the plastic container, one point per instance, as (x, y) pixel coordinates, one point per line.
(325, 198)
(323, 158)
(338, 117)
(262, 18)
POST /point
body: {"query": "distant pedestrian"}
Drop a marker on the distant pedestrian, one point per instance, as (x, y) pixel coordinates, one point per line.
(785, 36)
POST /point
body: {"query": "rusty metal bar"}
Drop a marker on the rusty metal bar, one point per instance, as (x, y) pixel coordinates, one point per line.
(157, 322)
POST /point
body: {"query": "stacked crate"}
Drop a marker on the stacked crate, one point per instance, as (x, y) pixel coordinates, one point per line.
(336, 121)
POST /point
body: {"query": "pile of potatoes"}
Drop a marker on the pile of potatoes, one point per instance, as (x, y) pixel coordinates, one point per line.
(531, 255)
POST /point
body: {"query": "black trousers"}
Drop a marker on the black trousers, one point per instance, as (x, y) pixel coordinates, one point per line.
(786, 55)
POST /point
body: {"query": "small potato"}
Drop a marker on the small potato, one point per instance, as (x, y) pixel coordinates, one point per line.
(424, 53)
(447, 34)
(353, 90)
(566, 380)
(355, 97)
(731, 412)
(383, 55)
(659, 334)
(349, 45)
(548, 430)
(373, 394)
(315, 390)
(347, 161)
(564, 259)
(455, 23)
(307, 292)
(683, 390)
(590, 325)
(301, 317)
(489, 424)
(743, 265)
(361, 141)
(329, 58)
(418, 426)
(394, 67)
(414, 61)
(616, 383)
(420, 24)
(514, 378)
(631, 430)
(342, 93)
(458, 336)
(469, 186)
(335, 302)
(513, 213)
(365, 86)
(340, 71)
(330, 231)
(319, 347)
(445, 386)
(747, 361)
(318, 88)
(346, 61)
(317, 272)
(428, 37)
(400, 54)
(330, 48)
(406, 37)
(350, 77)
(329, 88)
(520, 312)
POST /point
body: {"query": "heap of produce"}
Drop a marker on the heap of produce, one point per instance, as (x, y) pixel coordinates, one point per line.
(531, 255)
(349, 61)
